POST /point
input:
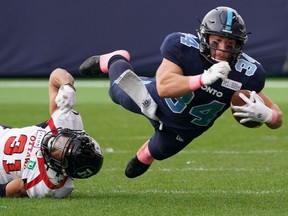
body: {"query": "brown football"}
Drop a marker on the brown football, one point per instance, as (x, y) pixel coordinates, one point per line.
(237, 101)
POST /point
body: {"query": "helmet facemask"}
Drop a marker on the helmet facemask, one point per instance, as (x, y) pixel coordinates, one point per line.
(72, 153)
(55, 145)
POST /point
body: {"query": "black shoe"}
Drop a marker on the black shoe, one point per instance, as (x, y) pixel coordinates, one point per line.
(90, 67)
(135, 168)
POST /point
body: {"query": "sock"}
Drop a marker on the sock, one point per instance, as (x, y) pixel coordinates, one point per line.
(116, 58)
(144, 155)
(117, 65)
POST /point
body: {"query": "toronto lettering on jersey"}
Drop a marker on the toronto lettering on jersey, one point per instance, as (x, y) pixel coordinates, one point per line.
(212, 91)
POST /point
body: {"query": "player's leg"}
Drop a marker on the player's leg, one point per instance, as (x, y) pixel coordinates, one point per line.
(163, 144)
(118, 96)
(100, 63)
(131, 93)
(140, 163)
(117, 66)
(132, 85)
(121, 75)
(113, 64)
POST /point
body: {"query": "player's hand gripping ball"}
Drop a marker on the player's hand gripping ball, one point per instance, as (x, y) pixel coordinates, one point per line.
(236, 100)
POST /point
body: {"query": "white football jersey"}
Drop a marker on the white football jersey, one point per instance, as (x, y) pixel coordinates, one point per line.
(21, 157)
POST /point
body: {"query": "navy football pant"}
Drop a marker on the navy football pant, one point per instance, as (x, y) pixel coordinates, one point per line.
(165, 142)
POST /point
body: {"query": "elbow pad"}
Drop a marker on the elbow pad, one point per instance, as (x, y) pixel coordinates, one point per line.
(3, 190)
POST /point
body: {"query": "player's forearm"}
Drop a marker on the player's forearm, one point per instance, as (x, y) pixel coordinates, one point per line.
(57, 78)
(14, 188)
(173, 86)
(277, 118)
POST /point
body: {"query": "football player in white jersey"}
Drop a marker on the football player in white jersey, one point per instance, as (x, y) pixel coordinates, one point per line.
(42, 160)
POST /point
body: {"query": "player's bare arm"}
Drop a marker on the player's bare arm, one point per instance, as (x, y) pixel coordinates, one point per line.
(15, 188)
(170, 80)
(57, 78)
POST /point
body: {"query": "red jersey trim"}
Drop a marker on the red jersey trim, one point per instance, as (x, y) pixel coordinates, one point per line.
(43, 176)
(52, 126)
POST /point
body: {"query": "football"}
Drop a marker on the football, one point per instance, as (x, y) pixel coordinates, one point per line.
(237, 101)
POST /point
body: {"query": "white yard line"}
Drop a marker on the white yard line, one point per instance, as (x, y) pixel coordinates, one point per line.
(94, 83)
(216, 152)
(44, 83)
(253, 192)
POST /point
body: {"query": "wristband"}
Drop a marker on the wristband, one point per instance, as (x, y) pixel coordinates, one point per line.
(3, 190)
(195, 82)
(71, 85)
(274, 117)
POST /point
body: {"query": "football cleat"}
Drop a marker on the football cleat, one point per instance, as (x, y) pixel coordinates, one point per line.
(135, 168)
(99, 64)
(90, 67)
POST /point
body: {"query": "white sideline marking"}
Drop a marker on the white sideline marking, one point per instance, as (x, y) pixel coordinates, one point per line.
(253, 192)
(202, 169)
(44, 84)
(233, 152)
(128, 138)
(276, 84)
(216, 152)
(94, 83)
(198, 169)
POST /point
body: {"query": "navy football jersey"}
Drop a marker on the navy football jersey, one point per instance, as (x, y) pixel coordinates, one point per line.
(199, 109)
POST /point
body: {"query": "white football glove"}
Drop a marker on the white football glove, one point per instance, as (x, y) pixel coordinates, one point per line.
(254, 110)
(65, 98)
(216, 71)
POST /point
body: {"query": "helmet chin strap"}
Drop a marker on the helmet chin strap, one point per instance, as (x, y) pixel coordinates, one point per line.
(231, 53)
(214, 59)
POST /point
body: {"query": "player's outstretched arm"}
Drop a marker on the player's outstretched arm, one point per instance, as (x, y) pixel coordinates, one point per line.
(259, 108)
(66, 95)
(172, 83)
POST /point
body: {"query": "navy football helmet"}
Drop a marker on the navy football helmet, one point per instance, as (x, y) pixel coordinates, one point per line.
(72, 153)
(224, 22)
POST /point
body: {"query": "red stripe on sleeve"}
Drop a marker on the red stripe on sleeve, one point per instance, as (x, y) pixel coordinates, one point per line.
(52, 126)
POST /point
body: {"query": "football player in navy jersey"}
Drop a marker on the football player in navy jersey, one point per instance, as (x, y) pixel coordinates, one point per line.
(193, 86)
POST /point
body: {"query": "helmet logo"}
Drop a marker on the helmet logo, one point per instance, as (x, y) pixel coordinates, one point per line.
(229, 20)
(85, 174)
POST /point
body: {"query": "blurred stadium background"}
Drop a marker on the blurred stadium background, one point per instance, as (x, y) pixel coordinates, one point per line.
(39, 36)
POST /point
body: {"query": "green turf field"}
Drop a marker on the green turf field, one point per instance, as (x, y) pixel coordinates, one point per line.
(230, 170)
